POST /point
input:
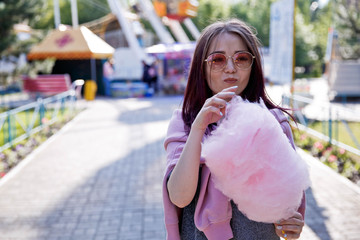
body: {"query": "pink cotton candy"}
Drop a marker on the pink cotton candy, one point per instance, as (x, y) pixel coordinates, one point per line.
(252, 162)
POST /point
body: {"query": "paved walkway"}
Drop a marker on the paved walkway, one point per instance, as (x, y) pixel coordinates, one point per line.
(100, 178)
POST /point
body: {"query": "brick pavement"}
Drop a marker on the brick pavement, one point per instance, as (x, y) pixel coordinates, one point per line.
(100, 178)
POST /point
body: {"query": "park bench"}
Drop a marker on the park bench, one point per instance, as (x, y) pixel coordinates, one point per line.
(47, 85)
(51, 84)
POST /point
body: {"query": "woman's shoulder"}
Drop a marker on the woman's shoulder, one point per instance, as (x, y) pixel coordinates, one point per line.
(176, 121)
(279, 115)
(176, 129)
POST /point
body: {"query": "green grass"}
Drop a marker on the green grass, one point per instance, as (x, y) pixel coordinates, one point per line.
(339, 131)
(25, 118)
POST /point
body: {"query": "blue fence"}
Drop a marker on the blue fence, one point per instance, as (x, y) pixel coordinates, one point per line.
(33, 120)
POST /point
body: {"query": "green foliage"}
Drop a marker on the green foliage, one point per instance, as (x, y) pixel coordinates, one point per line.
(34, 68)
(347, 23)
(257, 14)
(12, 12)
(209, 11)
(311, 38)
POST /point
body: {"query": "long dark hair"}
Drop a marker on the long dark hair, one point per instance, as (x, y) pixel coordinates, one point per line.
(197, 89)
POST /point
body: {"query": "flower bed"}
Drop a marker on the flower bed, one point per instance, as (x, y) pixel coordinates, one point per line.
(341, 161)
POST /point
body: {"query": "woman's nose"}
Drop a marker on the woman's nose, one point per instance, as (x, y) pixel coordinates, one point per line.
(230, 66)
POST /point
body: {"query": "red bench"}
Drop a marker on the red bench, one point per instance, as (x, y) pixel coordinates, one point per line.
(47, 85)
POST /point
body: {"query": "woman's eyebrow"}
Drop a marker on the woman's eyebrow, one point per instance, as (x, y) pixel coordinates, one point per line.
(241, 51)
(223, 52)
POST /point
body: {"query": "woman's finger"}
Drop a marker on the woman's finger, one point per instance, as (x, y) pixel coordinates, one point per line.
(295, 219)
(215, 101)
(225, 95)
(230, 89)
(212, 109)
(290, 235)
(292, 228)
(287, 234)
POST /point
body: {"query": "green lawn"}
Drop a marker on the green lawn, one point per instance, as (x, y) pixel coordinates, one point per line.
(339, 131)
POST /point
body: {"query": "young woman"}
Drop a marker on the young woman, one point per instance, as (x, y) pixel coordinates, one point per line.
(226, 63)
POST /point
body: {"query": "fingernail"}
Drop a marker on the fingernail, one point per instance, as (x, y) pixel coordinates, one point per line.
(233, 87)
(285, 235)
(221, 114)
(279, 227)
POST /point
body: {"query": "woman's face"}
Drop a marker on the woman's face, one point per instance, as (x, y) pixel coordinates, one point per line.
(230, 75)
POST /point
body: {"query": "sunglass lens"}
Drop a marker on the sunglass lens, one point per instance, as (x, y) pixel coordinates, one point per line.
(243, 60)
(217, 60)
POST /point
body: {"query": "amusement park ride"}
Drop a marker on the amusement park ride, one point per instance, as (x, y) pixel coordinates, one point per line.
(128, 60)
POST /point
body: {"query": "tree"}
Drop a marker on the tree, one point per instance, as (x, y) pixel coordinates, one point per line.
(208, 12)
(257, 14)
(347, 23)
(12, 12)
(312, 26)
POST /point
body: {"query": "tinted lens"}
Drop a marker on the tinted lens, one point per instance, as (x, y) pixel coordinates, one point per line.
(217, 61)
(243, 59)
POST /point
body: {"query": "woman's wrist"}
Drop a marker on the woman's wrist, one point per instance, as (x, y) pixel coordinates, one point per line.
(197, 132)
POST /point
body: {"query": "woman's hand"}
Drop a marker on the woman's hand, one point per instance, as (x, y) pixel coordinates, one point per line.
(213, 109)
(290, 228)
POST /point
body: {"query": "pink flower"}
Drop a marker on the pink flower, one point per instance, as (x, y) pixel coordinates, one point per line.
(303, 137)
(44, 120)
(319, 146)
(341, 150)
(332, 158)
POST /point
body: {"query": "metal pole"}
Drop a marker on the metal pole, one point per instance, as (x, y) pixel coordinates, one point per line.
(293, 60)
(57, 14)
(93, 69)
(74, 14)
(9, 129)
(192, 28)
(330, 125)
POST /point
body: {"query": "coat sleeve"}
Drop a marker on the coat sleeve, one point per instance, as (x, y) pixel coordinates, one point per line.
(173, 144)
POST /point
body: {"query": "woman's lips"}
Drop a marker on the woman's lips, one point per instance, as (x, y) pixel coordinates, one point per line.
(230, 80)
